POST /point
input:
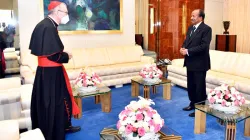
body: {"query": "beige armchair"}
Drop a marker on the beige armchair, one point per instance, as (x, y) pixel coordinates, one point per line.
(12, 61)
(15, 101)
(9, 130)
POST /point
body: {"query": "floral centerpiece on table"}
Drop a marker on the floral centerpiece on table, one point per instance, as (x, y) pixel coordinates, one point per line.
(139, 121)
(87, 82)
(151, 73)
(226, 98)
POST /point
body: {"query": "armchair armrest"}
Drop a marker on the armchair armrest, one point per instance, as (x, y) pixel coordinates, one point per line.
(25, 71)
(147, 59)
(9, 83)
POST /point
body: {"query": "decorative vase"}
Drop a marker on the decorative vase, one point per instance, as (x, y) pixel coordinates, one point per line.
(226, 25)
(150, 80)
(87, 89)
(147, 136)
(226, 110)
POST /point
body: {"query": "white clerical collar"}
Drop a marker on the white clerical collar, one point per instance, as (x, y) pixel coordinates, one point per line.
(53, 19)
(197, 25)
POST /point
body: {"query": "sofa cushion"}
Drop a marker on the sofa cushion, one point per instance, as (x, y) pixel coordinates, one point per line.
(70, 64)
(242, 67)
(243, 86)
(223, 61)
(80, 57)
(133, 53)
(177, 69)
(97, 56)
(118, 68)
(116, 55)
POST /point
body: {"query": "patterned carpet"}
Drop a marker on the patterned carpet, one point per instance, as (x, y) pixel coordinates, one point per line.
(94, 120)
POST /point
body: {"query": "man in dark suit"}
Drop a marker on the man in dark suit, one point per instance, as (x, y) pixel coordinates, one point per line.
(197, 60)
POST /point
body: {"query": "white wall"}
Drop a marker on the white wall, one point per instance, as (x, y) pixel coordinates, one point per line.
(214, 18)
(30, 14)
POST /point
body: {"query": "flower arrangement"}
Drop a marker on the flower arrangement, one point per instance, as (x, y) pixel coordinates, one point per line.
(84, 80)
(226, 95)
(140, 121)
(151, 71)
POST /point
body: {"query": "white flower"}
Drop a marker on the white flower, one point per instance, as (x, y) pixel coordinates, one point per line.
(228, 103)
(152, 129)
(147, 119)
(239, 97)
(122, 129)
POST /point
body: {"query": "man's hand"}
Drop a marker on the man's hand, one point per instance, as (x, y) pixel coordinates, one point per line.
(70, 55)
(183, 51)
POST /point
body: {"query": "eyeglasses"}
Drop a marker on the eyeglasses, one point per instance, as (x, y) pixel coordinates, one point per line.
(63, 12)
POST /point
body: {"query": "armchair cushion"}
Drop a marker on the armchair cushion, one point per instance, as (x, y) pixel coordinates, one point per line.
(9, 130)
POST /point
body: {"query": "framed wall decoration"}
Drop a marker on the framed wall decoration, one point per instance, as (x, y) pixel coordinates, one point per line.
(90, 16)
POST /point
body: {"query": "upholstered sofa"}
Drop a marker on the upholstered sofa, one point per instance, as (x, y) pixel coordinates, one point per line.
(12, 61)
(226, 67)
(9, 130)
(15, 101)
(115, 65)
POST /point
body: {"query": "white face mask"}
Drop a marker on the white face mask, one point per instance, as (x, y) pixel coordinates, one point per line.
(65, 19)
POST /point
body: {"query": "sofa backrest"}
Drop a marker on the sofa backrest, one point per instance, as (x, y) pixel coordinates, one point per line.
(124, 54)
(230, 62)
(100, 56)
(96, 56)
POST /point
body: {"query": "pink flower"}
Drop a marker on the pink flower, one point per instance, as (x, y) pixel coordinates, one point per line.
(218, 95)
(118, 125)
(124, 118)
(223, 103)
(157, 128)
(149, 113)
(128, 129)
(134, 129)
(236, 103)
(151, 123)
(243, 100)
(226, 97)
(211, 100)
(139, 117)
(227, 92)
(141, 131)
(125, 112)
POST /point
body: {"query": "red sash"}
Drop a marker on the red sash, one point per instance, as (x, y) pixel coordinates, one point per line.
(3, 60)
(43, 61)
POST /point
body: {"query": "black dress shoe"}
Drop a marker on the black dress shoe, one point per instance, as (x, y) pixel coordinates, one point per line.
(73, 129)
(191, 114)
(188, 108)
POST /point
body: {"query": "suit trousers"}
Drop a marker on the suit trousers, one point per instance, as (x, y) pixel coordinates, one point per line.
(196, 86)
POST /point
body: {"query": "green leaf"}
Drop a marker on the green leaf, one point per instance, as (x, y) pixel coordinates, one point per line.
(135, 134)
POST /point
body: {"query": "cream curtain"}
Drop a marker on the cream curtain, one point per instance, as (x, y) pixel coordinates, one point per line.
(238, 13)
(141, 20)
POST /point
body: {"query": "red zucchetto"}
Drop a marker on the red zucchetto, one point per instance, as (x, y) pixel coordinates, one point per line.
(53, 4)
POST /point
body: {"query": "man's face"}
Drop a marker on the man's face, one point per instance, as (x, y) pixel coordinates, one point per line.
(62, 11)
(3, 24)
(195, 17)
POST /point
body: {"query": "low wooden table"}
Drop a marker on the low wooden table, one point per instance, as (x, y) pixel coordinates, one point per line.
(229, 120)
(146, 90)
(102, 94)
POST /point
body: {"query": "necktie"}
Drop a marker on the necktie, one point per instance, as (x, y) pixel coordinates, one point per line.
(192, 30)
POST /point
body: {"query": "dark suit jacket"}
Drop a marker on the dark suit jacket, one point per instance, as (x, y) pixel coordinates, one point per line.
(198, 48)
